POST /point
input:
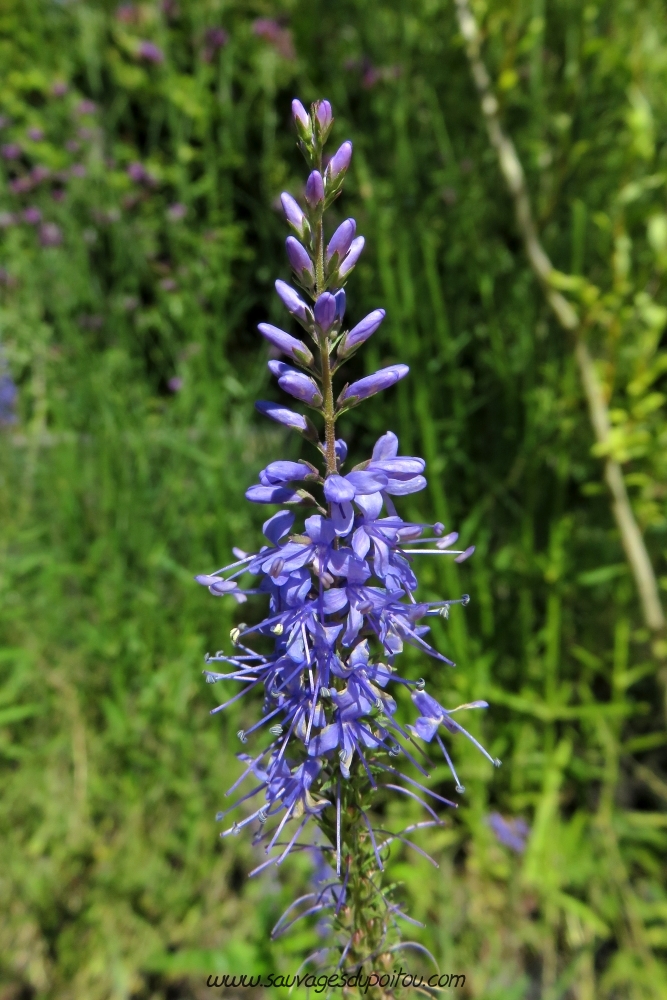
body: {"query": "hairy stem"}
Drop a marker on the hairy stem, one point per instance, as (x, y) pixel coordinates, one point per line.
(328, 408)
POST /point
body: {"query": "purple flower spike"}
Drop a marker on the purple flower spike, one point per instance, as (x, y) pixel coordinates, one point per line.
(289, 345)
(323, 115)
(150, 52)
(362, 331)
(300, 261)
(376, 382)
(325, 311)
(315, 189)
(301, 387)
(282, 415)
(353, 256)
(341, 240)
(339, 162)
(293, 303)
(293, 214)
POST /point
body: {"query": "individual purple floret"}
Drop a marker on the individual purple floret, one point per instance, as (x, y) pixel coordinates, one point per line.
(341, 586)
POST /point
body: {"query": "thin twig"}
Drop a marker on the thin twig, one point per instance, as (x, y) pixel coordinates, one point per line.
(512, 171)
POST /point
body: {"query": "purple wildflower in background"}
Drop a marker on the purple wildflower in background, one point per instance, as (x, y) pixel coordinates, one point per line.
(214, 40)
(137, 172)
(175, 384)
(150, 52)
(126, 13)
(277, 35)
(35, 134)
(21, 185)
(59, 88)
(39, 174)
(32, 215)
(8, 394)
(10, 151)
(341, 588)
(50, 235)
(510, 832)
(176, 212)
(86, 107)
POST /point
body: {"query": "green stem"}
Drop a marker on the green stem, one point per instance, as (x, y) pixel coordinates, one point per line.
(328, 408)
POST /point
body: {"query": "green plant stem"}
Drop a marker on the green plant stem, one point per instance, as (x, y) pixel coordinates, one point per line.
(328, 408)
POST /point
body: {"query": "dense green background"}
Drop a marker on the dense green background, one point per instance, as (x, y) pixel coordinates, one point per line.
(115, 491)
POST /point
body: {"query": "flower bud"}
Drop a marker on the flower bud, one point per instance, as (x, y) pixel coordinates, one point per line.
(362, 331)
(289, 345)
(282, 415)
(341, 240)
(376, 382)
(325, 311)
(301, 387)
(339, 162)
(315, 189)
(295, 217)
(323, 115)
(301, 263)
(302, 121)
(340, 305)
(352, 257)
(294, 303)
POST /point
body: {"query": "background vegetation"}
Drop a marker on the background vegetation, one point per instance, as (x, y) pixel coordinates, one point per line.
(139, 244)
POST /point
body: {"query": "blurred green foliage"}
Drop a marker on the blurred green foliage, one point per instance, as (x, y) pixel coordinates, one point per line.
(118, 484)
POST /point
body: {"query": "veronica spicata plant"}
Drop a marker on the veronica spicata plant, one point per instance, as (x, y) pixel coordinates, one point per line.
(341, 592)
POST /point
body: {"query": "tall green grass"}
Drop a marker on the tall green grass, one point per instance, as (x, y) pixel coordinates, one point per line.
(115, 491)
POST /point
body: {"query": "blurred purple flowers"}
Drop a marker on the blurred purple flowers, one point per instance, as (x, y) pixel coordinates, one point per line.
(214, 40)
(510, 832)
(176, 212)
(50, 235)
(150, 52)
(278, 36)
